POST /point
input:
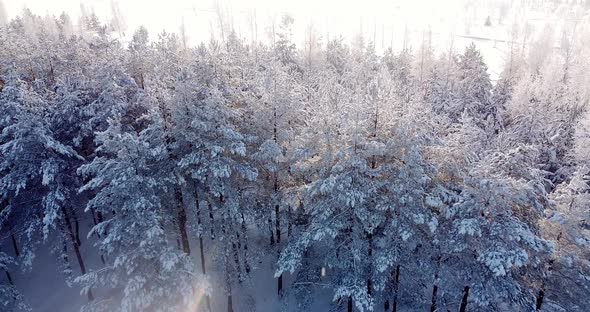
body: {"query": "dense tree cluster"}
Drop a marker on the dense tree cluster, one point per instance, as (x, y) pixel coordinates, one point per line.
(395, 180)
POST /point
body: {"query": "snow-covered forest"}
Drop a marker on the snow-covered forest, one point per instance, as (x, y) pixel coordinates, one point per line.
(153, 175)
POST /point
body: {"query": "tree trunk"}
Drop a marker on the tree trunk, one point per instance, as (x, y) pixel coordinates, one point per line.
(277, 206)
(141, 80)
(199, 225)
(395, 289)
(207, 299)
(65, 255)
(280, 285)
(540, 298)
(433, 302)
(99, 217)
(14, 245)
(237, 260)
(76, 227)
(230, 307)
(182, 223)
(95, 222)
(73, 240)
(278, 231)
(277, 224)
(234, 248)
(9, 277)
(463, 307)
(201, 248)
(76, 247)
(202, 255)
(272, 235)
(245, 234)
(237, 252)
(370, 254)
(435, 286)
(289, 221)
(211, 220)
(349, 307)
(51, 74)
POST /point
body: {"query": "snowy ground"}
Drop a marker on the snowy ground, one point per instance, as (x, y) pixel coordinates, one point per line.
(46, 290)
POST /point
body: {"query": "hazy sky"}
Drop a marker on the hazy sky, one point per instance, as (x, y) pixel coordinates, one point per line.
(380, 19)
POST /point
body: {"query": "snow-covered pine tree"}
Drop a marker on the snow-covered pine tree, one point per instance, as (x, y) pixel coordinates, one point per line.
(489, 229)
(38, 177)
(139, 48)
(565, 279)
(131, 177)
(351, 202)
(213, 160)
(566, 274)
(474, 90)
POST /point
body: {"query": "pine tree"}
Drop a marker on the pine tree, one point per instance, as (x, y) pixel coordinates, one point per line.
(474, 89)
(129, 177)
(212, 156)
(38, 166)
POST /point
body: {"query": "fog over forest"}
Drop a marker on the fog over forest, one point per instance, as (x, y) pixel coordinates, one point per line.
(268, 156)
